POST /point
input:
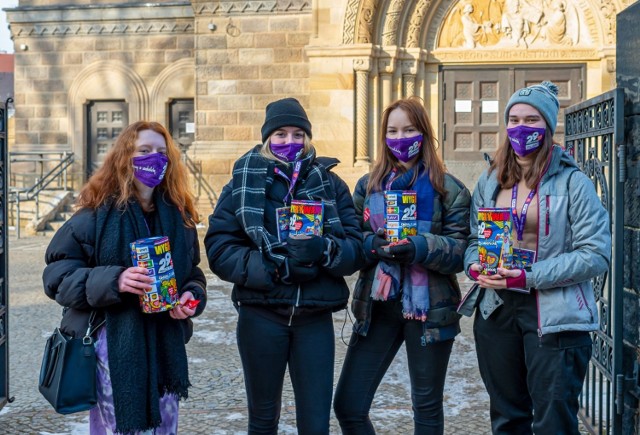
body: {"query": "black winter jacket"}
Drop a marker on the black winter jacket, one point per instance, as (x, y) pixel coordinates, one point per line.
(235, 258)
(73, 279)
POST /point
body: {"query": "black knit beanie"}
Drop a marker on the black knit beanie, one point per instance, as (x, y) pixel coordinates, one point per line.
(284, 113)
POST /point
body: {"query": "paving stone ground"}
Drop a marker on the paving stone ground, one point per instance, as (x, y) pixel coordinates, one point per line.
(216, 403)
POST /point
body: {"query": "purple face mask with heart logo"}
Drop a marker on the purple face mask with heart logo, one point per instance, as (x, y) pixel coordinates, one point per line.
(405, 148)
(287, 151)
(150, 168)
(524, 139)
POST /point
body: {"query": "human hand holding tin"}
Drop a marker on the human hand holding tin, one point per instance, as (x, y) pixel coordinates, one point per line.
(134, 280)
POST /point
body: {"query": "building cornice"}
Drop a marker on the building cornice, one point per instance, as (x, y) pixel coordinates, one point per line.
(148, 18)
(238, 7)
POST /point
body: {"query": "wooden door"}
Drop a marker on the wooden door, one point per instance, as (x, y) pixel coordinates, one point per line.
(105, 121)
(474, 98)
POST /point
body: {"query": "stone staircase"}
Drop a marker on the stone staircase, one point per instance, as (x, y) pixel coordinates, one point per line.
(45, 216)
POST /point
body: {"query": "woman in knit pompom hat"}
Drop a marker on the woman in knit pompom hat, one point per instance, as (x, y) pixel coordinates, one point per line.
(285, 288)
(533, 317)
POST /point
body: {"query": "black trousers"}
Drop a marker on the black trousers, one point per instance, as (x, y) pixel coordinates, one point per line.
(368, 359)
(267, 348)
(533, 381)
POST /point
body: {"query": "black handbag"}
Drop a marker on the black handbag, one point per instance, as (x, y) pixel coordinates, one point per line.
(68, 371)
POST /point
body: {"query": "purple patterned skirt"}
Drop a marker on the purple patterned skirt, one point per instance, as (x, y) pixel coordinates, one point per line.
(102, 419)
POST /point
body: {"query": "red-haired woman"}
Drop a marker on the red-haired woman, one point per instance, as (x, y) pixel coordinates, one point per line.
(407, 293)
(140, 191)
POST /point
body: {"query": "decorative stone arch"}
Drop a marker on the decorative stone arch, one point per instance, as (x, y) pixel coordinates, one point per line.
(175, 81)
(102, 80)
(401, 38)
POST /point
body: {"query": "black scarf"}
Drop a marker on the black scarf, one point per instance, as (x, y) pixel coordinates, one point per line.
(253, 174)
(147, 355)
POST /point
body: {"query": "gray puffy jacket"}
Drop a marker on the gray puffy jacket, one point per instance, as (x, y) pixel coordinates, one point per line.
(574, 246)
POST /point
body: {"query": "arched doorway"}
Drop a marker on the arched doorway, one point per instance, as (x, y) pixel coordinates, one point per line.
(401, 48)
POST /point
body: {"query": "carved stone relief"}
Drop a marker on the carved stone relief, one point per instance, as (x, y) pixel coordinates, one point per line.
(416, 23)
(609, 12)
(514, 24)
(365, 21)
(350, 15)
(390, 31)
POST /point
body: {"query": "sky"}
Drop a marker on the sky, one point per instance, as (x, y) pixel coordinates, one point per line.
(6, 44)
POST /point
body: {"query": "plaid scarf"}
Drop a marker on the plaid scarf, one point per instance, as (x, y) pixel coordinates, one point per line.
(253, 174)
(388, 280)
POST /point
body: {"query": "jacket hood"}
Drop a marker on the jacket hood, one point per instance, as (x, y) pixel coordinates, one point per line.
(560, 159)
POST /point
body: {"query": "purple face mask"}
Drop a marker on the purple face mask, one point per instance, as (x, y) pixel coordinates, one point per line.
(150, 168)
(405, 148)
(287, 151)
(524, 139)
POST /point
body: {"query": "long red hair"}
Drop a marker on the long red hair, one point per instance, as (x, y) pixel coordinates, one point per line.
(386, 162)
(114, 179)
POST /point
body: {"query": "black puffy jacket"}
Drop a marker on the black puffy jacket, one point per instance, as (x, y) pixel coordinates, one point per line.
(235, 258)
(73, 279)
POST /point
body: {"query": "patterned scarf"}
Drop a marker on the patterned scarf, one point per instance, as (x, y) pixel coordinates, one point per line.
(388, 278)
(253, 174)
(147, 355)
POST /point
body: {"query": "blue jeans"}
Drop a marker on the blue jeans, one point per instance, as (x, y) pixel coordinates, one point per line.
(266, 347)
(368, 359)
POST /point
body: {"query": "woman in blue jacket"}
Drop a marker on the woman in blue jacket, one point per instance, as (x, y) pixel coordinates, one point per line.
(533, 320)
(285, 288)
(408, 292)
(141, 190)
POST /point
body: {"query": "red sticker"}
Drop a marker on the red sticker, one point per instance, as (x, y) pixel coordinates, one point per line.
(366, 214)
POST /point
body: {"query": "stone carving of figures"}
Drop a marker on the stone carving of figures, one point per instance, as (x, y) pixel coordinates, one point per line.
(514, 24)
(556, 28)
(470, 28)
(562, 23)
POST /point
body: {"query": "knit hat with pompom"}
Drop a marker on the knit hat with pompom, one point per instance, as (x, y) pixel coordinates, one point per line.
(543, 96)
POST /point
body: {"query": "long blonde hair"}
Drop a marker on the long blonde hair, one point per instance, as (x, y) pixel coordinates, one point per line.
(386, 161)
(114, 179)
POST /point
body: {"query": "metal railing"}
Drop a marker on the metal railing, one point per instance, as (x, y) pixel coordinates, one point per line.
(61, 160)
(202, 186)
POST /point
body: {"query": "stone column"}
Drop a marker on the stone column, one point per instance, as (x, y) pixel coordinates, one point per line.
(409, 70)
(385, 72)
(362, 67)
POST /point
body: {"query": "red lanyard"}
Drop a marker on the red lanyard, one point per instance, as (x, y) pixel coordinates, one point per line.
(519, 221)
(292, 181)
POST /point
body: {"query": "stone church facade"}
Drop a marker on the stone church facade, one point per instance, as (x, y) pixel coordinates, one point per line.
(207, 69)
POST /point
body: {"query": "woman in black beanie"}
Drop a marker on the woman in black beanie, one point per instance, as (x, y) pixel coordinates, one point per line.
(286, 285)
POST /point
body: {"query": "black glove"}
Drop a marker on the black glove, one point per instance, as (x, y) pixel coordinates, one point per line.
(307, 249)
(403, 252)
(378, 244)
(293, 272)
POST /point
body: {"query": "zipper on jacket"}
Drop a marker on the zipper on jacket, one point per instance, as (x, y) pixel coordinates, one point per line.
(539, 324)
(293, 308)
(547, 221)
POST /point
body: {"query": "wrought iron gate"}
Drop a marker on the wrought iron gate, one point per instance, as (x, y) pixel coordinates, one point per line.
(4, 254)
(594, 135)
